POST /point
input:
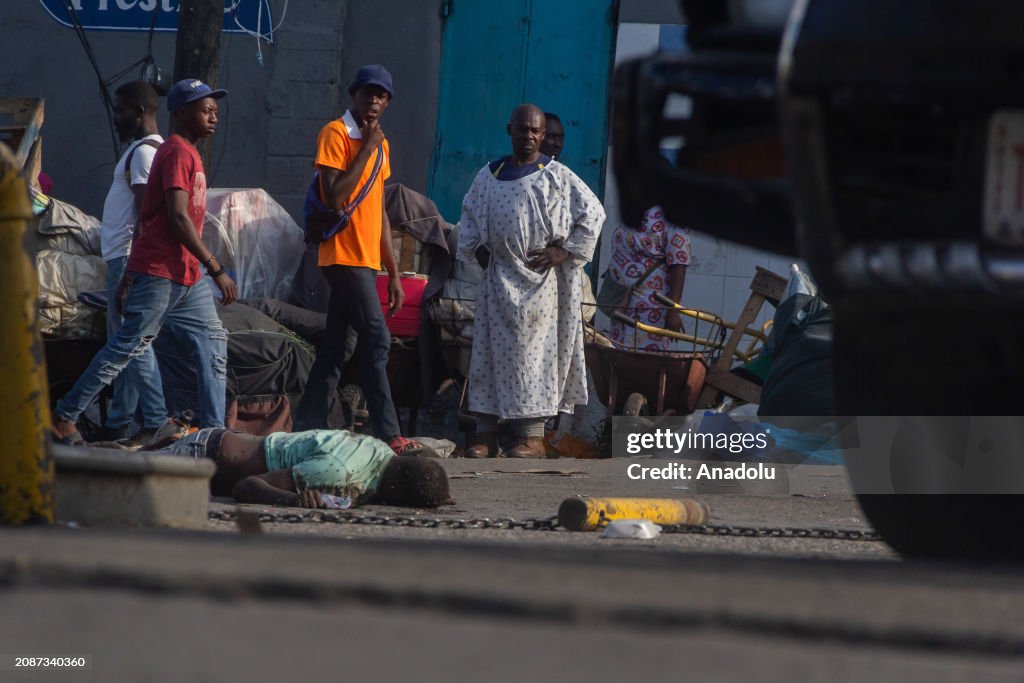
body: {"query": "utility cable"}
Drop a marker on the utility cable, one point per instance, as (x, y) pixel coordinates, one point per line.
(258, 34)
(108, 104)
(123, 72)
(148, 60)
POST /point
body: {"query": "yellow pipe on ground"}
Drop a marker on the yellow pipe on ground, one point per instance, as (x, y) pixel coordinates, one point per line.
(26, 470)
(587, 514)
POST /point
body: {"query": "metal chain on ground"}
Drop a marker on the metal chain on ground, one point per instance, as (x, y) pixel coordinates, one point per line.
(773, 532)
(547, 524)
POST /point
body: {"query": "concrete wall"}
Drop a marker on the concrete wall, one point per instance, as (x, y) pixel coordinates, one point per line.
(304, 91)
(269, 122)
(404, 36)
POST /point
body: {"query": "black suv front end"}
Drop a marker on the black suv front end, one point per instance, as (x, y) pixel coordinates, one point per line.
(883, 142)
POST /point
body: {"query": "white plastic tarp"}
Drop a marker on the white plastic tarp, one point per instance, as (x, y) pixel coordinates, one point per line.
(61, 277)
(255, 239)
(68, 260)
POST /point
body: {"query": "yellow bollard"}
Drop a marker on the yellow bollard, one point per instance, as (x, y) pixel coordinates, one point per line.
(587, 514)
(26, 471)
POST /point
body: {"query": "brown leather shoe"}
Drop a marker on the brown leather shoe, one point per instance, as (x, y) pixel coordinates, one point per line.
(485, 445)
(528, 447)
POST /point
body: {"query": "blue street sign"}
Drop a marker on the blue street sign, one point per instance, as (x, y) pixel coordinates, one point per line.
(240, 16)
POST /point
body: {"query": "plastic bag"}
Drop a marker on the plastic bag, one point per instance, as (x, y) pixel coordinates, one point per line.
(255, 239)
(632, 528)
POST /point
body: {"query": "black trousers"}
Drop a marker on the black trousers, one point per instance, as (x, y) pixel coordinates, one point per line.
(354, 304)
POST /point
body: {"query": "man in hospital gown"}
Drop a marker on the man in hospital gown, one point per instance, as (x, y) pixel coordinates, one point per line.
(533, 224)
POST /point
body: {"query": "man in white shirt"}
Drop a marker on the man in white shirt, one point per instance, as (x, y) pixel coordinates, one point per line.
(139, 386)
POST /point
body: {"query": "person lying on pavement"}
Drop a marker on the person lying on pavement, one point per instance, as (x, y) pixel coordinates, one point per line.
(298, 469)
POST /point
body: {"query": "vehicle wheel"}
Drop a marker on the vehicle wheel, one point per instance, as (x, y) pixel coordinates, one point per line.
(947, 526)
(635, 405)
(903, 368)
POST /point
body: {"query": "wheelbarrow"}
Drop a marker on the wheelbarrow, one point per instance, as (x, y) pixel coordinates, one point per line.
(646, 382)
(721, 350)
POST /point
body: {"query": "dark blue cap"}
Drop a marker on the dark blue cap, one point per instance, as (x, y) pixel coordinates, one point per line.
(190, 90)
(372, 74)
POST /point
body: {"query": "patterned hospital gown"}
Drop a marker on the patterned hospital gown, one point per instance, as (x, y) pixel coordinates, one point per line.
(634, 251)
(527, 358)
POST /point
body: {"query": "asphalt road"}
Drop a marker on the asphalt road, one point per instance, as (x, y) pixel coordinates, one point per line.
(799, 497)
(324, 601)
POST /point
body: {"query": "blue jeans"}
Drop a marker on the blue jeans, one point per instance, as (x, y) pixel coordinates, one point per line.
(354, 303)
(156, 303)
(139, 384)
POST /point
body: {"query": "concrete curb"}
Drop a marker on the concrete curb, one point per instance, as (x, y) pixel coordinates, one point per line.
(680, 593)
(103, 487)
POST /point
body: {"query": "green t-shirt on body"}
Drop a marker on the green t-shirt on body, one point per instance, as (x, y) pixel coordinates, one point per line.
(330, 460)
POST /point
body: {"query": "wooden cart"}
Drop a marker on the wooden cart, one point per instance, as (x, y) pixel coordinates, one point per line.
(646, 382)
(656, 373)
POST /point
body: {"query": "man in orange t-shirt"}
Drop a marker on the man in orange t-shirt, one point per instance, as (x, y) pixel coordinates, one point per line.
(347, 150)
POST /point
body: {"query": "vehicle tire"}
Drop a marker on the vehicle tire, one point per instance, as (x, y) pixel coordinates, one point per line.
(635, 405)
(947, 526)
(896, 364)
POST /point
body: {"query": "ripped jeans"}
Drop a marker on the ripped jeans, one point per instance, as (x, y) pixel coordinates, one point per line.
(138, 385)
(156, 303)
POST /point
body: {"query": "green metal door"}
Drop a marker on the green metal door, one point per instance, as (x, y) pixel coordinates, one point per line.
(556, 54)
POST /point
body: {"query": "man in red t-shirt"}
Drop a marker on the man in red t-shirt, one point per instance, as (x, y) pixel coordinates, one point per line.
(163, 285)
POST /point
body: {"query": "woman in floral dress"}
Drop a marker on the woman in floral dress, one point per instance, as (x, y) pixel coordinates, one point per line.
(634, 251)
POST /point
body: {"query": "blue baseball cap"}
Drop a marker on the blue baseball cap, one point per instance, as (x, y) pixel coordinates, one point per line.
(190, 90)
(372, 74)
